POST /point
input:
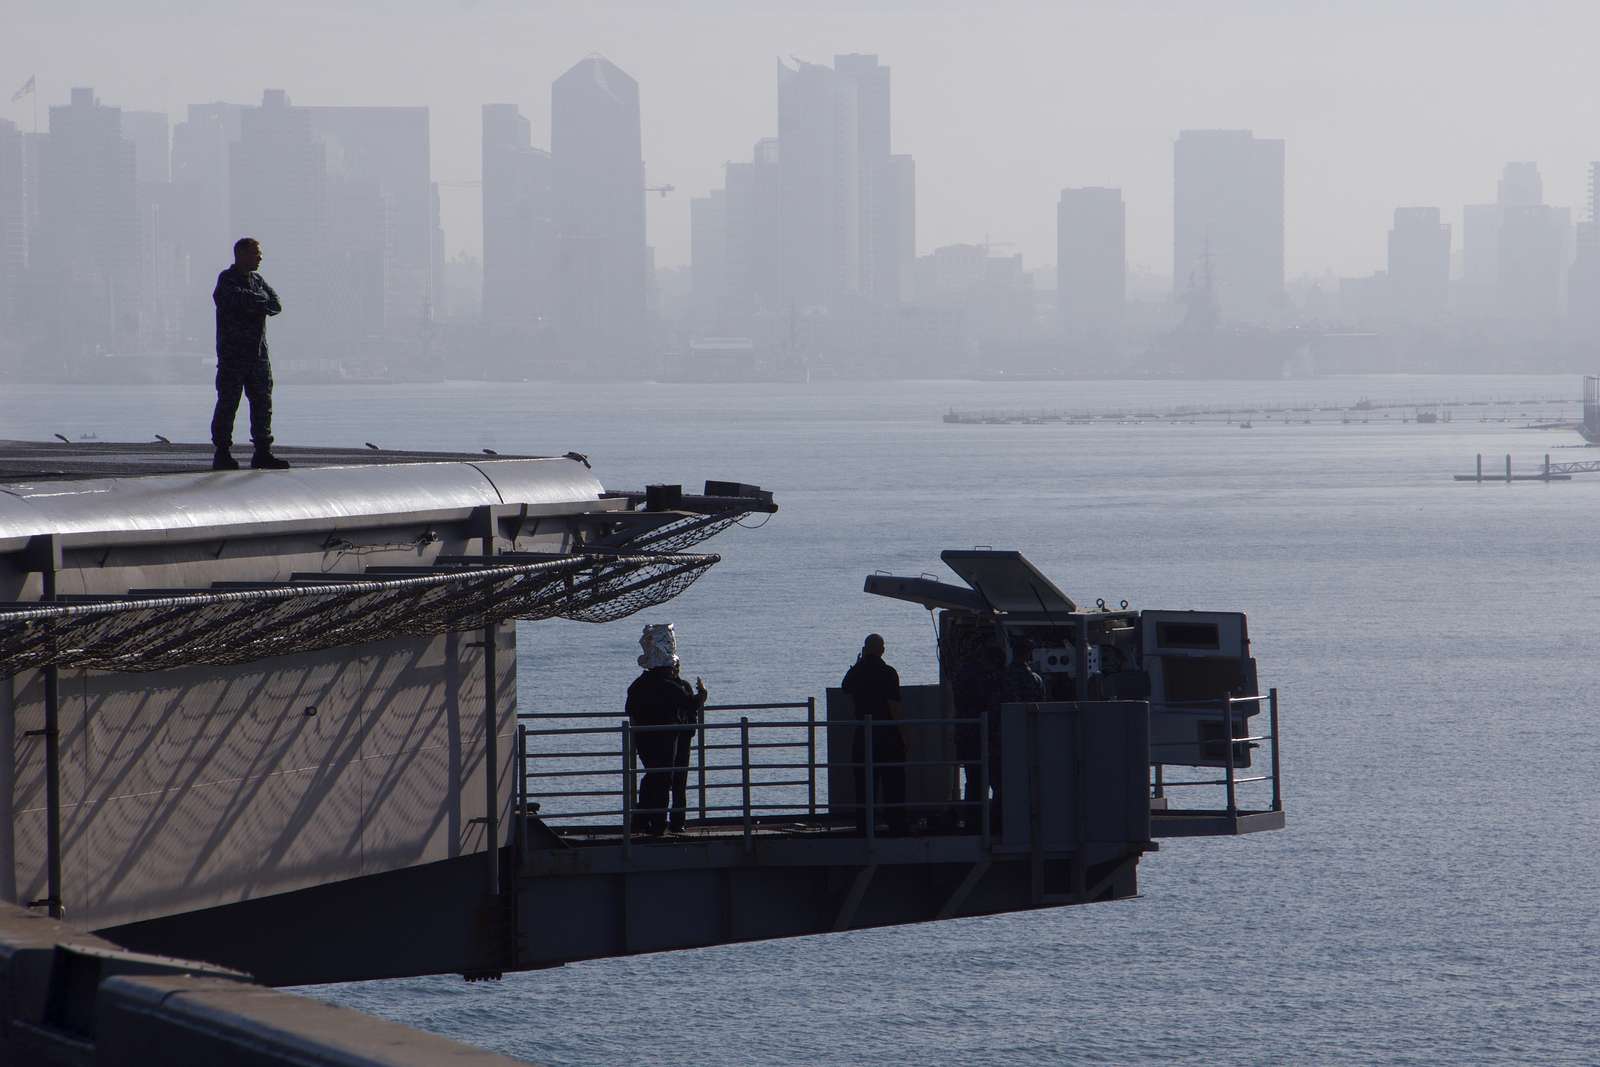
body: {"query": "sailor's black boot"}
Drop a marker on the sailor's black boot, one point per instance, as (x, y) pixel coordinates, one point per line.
(224, 461)
(264, 460)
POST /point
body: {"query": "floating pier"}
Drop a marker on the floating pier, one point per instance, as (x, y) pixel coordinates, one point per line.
(1547, 472)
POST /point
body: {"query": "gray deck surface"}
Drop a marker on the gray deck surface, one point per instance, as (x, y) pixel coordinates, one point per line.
(54, 461)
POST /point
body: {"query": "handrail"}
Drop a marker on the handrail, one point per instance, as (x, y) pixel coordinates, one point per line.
(769, 764)
(1230, 779)
(771, 767)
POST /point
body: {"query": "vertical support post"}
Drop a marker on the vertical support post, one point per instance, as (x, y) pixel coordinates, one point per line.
(491, 720)
(744, 766)
(1547, 466)
(983, 781)
(1035, 810)
(1161, 780)
(1480, 468)
(628, 784)
(519, 793)
(1508, 468)
(1080, 676)
(868, 800)
(1227, 735)
(1272, 707)
(811, 756)
(52, 788)
(700, 725)
(44, 555)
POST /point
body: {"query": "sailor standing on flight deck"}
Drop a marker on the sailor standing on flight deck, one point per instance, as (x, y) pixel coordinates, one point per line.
(658, 698)
(244, 300)
(874, 689)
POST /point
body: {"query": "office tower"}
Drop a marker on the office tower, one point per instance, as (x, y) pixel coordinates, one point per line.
(379, 167)
(150, 134)
(598, 198)
(1583, 283)
(1520, 186)
(896, 275)
(278, 194)
(13, 228)
(1228, 220)
(87, 255)
(708, 256)
(1419, 265)
(754, 213)
(1091, 261)
(518, 235)
(202, 225)
(880, 186)
(1517, 250)
(819, 145)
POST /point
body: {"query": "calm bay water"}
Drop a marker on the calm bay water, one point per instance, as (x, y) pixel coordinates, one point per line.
(1436, 896)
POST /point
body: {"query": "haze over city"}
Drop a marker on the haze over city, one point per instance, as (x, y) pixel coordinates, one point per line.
(1377, 107)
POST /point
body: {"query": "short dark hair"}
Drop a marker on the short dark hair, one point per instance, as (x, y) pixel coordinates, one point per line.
(245, 242)
(873, 643)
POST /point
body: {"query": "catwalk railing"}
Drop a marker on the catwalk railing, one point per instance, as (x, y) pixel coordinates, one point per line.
(584, 777)
(1232, 753)
(580, 771)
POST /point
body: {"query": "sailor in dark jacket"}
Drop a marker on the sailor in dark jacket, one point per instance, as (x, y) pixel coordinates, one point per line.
(658, 698)
(874, 689)
(244, 300)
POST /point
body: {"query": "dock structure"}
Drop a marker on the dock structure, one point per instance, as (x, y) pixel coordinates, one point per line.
(1545, 472)
(1362, 412)
(267, 720)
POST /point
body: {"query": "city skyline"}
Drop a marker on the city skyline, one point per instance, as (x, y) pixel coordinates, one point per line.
(1418, 124)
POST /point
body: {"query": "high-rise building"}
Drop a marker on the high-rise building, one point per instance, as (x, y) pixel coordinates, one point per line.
(598, 196)
(1583, 283)
(708, 256)
(202, 223)
(379, 165)
(1228, 220)
(87, 254)
(13, 228)
(1517, 251)
(754, 212)
(278, 194)
(1091, 261)
(819, 146)
(900, 207)
(1419, 265)
(518, 235)
(878, 193)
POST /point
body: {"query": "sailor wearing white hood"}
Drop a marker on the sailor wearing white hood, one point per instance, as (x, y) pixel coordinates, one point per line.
(658, 697)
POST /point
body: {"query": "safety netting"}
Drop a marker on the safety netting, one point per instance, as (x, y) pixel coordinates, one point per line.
(153, 633)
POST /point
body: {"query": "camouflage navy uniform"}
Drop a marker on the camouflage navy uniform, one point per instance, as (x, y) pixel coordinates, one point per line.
(244, 300)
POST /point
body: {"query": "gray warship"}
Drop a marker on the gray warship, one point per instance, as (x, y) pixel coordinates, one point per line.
(261, 731)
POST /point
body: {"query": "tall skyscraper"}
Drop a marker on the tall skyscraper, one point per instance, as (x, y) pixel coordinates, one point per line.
(1419, 265)
(598, 189)
(1091, 261)
(202, 223)
(1228, 220)
(879, 194)
(819, 149)
(708, 256)
(278, 194)
(518, 235)
(379, 163)
(1583, 283)
(87, 255)
(754, 213)
(1517, 250)
(13, 229)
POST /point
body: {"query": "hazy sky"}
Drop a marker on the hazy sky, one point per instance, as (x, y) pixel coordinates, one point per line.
(1002, 104)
